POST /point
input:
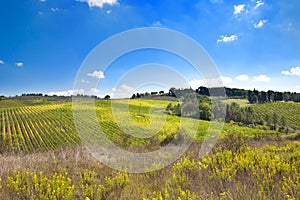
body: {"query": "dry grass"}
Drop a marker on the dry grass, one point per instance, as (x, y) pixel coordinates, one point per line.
(149, 185)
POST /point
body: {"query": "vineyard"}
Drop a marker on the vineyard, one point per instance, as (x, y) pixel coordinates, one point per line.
(289, 110)
(30, 128)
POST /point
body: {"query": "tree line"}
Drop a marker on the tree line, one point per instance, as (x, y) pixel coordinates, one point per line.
(253, 96)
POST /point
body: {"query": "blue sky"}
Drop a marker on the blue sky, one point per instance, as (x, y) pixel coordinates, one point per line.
(254, 44)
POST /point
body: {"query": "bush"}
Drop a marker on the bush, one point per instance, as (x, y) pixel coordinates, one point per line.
(234, 141)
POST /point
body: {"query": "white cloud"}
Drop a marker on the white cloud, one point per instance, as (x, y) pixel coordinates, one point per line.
(123, 91)
(55, 9)
(225, 39)
(226, 79)
(294, 71)
(94, 90)
(66, 93)
(108, 12)
(43, 0)
(260, 24)
(213, 82)
(157, 24)
(196, 83)
(127, 88)
(242, 77)
(2, 62)
(261, 78)
(238, 9)
(97, 74)
(258, 4)
(285, 73)
(19, 64)
(99, 3)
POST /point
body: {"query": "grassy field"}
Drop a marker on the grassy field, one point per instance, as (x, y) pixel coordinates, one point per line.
(241, 102)
(42, 156)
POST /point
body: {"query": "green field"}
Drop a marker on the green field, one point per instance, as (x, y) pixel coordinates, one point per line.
(42, 154)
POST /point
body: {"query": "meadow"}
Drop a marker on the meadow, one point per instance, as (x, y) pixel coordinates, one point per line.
(43, 156)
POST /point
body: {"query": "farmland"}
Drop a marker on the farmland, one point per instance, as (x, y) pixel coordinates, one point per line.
(43, 157)
(26, 129)
(289, 110)
(30, 128)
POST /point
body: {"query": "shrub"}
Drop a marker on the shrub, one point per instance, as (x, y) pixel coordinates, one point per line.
(28, 185)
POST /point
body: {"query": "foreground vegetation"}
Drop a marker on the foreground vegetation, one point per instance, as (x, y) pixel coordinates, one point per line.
(231, 171)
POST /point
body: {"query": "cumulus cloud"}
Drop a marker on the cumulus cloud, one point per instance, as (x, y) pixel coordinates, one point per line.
(225, 39)
(261, 78)
(19, 64)
(99, 3)
(196, 83)
(157, 24)
(97, 74)
(260, 24)
(286, 73)
(2, 62)
(213, 82)
(123, 91)
(108, 12)
(67, 92)
(242, 77)
(258, 4)
(294, 71)
(226, 79)
(126, 88)
(237, 9)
